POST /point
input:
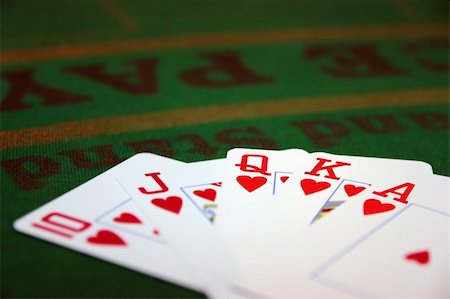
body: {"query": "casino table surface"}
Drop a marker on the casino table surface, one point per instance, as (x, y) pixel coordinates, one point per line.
(87, 84)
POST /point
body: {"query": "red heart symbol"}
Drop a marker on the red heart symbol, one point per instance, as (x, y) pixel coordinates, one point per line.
(209, 194)
(352, 190)
(106, 237)
(251, 184)
(311, 186)
(284, 178)
(374, 206)
(127, 218)
(421, 257)
(172, 203)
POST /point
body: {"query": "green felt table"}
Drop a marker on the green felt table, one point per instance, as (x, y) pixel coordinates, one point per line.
(87, 84)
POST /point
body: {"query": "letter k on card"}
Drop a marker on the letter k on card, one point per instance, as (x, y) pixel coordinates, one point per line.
(322, 175)
(325, 178)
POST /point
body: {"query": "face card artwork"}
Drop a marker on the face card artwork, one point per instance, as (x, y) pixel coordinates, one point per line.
(98, 218)
(343, 192)
(204, 198)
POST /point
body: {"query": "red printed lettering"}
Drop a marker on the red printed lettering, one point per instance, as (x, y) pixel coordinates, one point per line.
(406, 187)
(262, 169)
(329, 168)
(155, 176)
(62, 225)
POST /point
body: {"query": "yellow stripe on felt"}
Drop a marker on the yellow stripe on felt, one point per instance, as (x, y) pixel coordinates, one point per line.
(215, 39)
(205, 115)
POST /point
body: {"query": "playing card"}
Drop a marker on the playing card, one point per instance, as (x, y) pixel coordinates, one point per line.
(251, 177)
(407, 256)
(297, 205)
(367, 246)
(325, 181)
(99, 218)
(181, 199)
(411, 240)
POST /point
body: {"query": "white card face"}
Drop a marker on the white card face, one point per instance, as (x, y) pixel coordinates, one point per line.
(286, 217)
(99, 218)
(316, 261)
(251, 178)
(326, 181)
(165, 192)
(405, 256)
